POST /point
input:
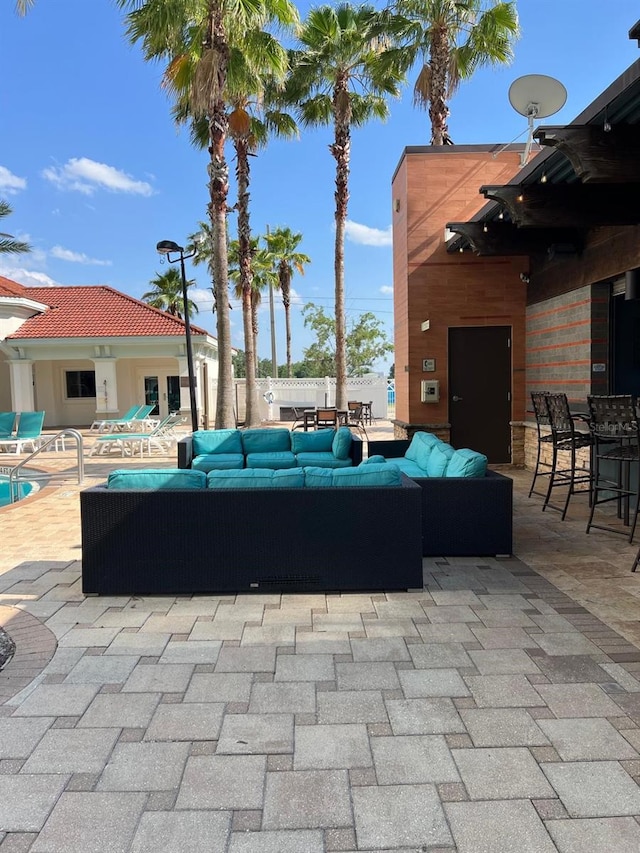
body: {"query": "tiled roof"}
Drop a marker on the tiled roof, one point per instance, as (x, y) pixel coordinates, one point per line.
(93, 311)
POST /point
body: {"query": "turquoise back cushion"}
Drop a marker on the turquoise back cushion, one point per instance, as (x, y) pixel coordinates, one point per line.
(467, 463)
(439, 459)
(218, 461)
(373, 460)
(266, 440)
(318, 441)
(317, 478)
(376, 474)
(419, 438)
(342, 443)
(154, 479)
(216, 441)
(256, 478)
(274, 459)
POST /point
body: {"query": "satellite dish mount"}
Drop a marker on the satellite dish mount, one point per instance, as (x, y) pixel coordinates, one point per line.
(536, 96)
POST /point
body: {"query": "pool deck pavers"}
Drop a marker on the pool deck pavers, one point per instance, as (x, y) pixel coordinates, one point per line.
(497, 710)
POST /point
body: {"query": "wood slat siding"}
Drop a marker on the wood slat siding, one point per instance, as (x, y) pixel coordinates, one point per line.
(566, 335)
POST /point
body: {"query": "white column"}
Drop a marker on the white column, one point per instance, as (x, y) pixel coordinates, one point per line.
(106, 386)
(21, 373)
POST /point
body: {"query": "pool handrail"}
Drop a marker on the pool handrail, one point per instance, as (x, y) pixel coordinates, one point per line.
(43, 445)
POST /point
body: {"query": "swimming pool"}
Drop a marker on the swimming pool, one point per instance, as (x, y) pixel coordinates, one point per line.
(24, 488)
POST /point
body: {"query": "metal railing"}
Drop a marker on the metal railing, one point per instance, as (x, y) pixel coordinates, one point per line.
(14, 474)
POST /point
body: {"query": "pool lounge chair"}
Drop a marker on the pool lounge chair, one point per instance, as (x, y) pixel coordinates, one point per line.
(162, 438)
(29, 432)
(109, 424)
(7, 423)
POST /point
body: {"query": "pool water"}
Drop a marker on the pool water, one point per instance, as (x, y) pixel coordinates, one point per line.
(24, 489)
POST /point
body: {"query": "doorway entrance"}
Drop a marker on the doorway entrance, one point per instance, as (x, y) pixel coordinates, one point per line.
(480, 390)
(162, 391)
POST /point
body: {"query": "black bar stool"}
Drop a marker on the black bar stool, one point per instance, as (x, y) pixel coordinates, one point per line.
(565, 439)
(544, 438)
(614, 426)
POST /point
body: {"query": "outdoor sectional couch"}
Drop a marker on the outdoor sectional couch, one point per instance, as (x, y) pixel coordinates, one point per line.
(467, 509)
(179, 532)
(231, 449)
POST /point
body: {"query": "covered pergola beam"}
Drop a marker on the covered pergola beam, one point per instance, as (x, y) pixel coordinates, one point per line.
(504, 238)
(567, 205)
(597, 155)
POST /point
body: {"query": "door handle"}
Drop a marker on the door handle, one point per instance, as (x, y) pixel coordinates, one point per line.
(456, 399)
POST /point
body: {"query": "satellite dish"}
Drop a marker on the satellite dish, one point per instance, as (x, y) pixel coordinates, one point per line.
(536, 96)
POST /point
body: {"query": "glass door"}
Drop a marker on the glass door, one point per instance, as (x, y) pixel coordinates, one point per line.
(164, 402)
(151, 393)
(173, 394)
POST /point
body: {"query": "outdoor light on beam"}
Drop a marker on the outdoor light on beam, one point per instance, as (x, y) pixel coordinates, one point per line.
(168, 248)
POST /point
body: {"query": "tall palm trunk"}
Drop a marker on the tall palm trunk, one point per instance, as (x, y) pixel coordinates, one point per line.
(341, 150)
(218, 191)
(285, 290)
(439, 61)
(252, 418)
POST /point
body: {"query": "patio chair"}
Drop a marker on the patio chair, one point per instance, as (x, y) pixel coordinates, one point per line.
(109, 424)
(567, 439)
(162, 437)
(356, 417)
(29, 432)
(542, 468)
(7, 423)
(326, 418)
(298, 417)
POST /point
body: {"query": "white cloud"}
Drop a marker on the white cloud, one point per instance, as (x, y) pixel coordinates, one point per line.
(367, 236)
(10, 184)
(63, 254)
(386, 288)
(83, 175)
(28, 278)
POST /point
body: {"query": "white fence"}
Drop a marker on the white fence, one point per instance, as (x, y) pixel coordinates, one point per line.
(312, 392)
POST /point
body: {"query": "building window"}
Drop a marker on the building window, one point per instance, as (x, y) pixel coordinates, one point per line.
(80, 383)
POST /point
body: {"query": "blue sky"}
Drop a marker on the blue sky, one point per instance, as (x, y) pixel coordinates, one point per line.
(97, 173)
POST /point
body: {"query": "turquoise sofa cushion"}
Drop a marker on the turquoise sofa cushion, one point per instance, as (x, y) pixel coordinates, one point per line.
(320, 440)
(317, 478)
(218, 461)
(411, 469)
(261, 478)
(421, 441)
(467, 463)
(373, 460)
(321, 460)
(265, 441)
(342, 443)
(274, 459)
(155, 479)
(439, 459)
(216, 441)
(377, 474)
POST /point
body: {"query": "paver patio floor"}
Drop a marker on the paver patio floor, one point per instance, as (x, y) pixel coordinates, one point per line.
(495, 711)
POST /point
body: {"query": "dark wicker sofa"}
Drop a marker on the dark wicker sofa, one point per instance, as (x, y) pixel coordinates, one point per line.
(277, 540)
(460, 516)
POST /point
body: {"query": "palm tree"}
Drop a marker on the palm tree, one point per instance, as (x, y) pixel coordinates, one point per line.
(167, 294)
(340, 76)
(8, 245)
(262, 276)
(197, 38)
(282, 244)
(454, 38)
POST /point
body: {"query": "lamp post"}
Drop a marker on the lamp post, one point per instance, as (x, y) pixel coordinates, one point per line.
(167, 248)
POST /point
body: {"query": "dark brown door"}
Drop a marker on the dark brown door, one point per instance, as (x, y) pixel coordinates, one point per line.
(480, 390)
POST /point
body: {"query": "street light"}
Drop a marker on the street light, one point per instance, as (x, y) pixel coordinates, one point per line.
(167, 248)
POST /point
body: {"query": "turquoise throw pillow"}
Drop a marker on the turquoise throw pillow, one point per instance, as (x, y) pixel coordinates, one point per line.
(420, 446)
(317, 478)
(318, 441)
(439, 460)
(373, 460)
(257, 478)
(153, 480)
(216, 441)
(266, 440)
(467, 463)
(380, 474)
(342, 443)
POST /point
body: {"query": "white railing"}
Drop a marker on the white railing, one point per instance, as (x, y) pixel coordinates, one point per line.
(15, 473)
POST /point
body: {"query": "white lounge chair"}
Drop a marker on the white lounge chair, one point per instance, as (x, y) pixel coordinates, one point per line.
(29, 432)
(162, 437)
